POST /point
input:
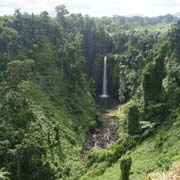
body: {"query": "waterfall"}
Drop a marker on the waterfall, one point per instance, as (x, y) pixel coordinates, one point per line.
(104, 93)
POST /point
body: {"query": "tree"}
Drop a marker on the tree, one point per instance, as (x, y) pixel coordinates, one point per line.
(61, 12)
(18, 71)
(45, 21)
(8, 44)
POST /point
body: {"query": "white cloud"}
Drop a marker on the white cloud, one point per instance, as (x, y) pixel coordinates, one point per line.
(95, 7)
(167, 3)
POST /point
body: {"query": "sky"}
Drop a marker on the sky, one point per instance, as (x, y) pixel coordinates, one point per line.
(97, 8)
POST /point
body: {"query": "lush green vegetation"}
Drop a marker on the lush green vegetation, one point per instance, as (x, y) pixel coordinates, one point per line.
(46, 108)
(50, 75)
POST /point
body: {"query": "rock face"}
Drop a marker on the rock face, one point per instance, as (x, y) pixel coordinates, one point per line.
(112, 75)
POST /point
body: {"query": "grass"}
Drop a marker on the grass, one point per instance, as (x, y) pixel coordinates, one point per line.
(155, 154)
(172, 174)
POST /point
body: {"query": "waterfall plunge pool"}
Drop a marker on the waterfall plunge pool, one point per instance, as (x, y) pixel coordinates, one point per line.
(106, 103)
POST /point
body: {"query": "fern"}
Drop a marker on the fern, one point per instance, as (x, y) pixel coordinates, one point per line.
(4, 175)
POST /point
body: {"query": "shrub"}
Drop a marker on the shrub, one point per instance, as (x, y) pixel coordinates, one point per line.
(125, 165)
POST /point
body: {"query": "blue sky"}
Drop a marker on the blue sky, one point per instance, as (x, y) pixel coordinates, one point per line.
(95, 7)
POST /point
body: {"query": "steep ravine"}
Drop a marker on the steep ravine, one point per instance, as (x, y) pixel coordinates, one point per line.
(106, 131)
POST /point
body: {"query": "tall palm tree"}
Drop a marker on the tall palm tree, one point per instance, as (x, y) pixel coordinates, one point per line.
(4, 174)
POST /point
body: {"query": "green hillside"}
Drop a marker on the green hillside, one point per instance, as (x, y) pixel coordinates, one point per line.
(54, 125)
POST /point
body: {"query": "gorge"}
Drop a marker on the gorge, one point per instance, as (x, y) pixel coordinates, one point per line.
(83, 97)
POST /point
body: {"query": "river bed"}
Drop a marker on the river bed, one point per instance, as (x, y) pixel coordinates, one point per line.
(104, 134)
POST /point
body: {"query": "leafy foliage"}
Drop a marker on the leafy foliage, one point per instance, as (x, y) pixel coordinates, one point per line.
(46, 69)
(4, 175)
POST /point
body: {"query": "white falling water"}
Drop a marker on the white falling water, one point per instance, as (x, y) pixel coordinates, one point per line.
(104, 94)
